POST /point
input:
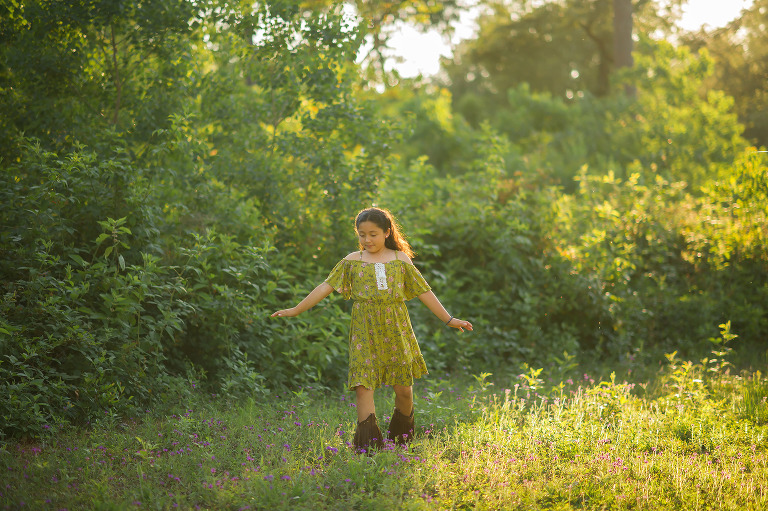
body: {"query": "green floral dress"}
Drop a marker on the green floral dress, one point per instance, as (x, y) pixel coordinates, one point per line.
(382, 346)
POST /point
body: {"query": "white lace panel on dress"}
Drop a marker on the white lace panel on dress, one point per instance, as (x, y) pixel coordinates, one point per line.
(381, 275)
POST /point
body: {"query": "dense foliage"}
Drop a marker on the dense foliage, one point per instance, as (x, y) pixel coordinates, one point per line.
(174, 172)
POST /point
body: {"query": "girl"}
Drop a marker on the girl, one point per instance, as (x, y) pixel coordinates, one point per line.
(382, 346)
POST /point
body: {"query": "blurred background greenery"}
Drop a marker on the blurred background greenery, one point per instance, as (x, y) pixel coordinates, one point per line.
(582, 180)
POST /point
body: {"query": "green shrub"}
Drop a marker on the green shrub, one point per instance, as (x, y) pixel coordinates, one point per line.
(129, 317)
(485, 247)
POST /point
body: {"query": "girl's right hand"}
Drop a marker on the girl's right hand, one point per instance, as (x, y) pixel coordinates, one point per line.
(288, 313)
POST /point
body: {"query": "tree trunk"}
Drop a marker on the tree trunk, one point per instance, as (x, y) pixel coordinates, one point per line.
(622, 36)
(622, 33)
(603, 85)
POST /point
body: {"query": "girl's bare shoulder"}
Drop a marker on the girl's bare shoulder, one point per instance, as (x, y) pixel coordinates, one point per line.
(404, 257)
(353, 256)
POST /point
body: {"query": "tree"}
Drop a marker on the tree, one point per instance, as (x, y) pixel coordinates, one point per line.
(740, 53)
(562, 47)
(382, 18)
(67, 65)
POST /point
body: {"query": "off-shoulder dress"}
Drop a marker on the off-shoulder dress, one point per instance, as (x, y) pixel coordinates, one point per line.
(382, 346)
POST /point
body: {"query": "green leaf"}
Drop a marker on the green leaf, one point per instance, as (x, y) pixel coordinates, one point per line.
(79, 260)
(121, 260)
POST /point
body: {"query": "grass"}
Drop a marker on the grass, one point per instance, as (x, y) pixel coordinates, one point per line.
(679, 442)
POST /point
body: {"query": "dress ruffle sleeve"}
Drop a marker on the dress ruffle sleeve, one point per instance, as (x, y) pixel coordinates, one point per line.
(340, 278)
(414, 282)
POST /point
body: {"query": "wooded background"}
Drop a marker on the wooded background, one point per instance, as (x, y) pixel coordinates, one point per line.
(174, 171)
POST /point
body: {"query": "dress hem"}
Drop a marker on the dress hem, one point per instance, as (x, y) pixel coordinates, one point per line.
(387, 382)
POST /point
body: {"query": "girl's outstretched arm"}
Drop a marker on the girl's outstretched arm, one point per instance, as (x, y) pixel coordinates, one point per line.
(430, 300)
(308, 302)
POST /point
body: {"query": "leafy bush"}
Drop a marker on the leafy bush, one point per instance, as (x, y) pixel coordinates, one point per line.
(485, 250)
(125, 319)
(668, 278)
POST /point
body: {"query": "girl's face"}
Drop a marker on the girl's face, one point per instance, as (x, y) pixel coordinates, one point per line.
(372, 237)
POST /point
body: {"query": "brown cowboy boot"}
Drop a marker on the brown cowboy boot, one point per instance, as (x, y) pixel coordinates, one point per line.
(368, 436)
(401, 428)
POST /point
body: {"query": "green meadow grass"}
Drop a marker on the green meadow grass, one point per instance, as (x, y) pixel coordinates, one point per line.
(679, 442)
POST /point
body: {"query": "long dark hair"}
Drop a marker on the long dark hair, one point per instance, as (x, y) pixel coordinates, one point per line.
(386, 222)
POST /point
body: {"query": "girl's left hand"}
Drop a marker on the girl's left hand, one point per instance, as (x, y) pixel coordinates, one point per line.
(288, 313)
(460, 324)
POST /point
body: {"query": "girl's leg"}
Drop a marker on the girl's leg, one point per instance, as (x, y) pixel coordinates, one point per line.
(404, 399)
(365, 404)
(368, 437)
(402, 425)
